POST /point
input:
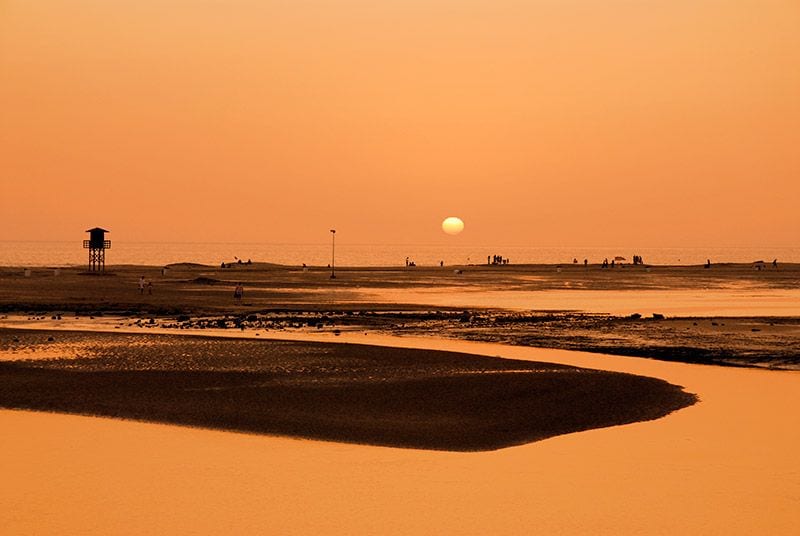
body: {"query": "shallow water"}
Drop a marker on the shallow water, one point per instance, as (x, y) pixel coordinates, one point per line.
(677, 302)
(727, 465)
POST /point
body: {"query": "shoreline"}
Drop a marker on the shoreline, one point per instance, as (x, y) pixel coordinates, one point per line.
(763, 343)
(749, 317)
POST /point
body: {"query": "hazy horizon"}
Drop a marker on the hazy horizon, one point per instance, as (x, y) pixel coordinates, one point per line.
(432, 243)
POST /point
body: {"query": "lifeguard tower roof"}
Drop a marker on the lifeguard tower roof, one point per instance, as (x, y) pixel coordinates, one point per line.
(98, 229)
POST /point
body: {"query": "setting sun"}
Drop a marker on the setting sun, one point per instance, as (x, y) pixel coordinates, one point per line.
(452, 225)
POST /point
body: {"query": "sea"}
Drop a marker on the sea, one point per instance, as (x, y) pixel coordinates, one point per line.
(64, 254)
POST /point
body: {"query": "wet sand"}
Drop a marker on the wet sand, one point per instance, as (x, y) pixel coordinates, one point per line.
(727, 465)
(763, 342)
(338, 392)
(730, 314)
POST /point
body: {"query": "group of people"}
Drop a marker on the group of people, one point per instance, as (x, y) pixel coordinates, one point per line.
(497, 259)
(761, 265)
(637, 259)
(143, 283)
(238, 292)
(238, 261)
(411, 264)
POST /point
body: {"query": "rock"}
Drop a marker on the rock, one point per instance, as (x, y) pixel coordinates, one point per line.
(658, 316)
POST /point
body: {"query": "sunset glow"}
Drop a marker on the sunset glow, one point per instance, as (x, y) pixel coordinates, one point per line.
(666, 123)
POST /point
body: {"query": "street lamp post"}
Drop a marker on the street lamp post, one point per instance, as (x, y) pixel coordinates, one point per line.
(333, 253)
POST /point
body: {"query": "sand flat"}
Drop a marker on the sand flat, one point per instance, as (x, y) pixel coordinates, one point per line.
(727, 465)
(356, 393)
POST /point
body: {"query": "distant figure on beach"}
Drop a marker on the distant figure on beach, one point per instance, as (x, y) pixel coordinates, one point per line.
(238, 292)
(586, 262)
(708, 263)
(612, 262)
(775, 263)
(605, 262)
(441, 264)
(406, 261)
(488, 259)
(141, 285)
(149, 287)
(575, 260)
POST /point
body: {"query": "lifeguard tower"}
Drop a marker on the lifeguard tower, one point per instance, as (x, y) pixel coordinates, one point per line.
(97, 246)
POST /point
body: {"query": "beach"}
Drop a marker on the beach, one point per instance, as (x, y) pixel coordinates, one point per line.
(332, 406)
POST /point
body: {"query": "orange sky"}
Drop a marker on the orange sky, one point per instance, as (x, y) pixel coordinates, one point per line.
(549, 122)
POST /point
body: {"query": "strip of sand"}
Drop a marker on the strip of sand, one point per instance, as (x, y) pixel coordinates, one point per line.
(351, 392)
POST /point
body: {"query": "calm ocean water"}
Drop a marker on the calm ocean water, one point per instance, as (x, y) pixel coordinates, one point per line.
(152, 253)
